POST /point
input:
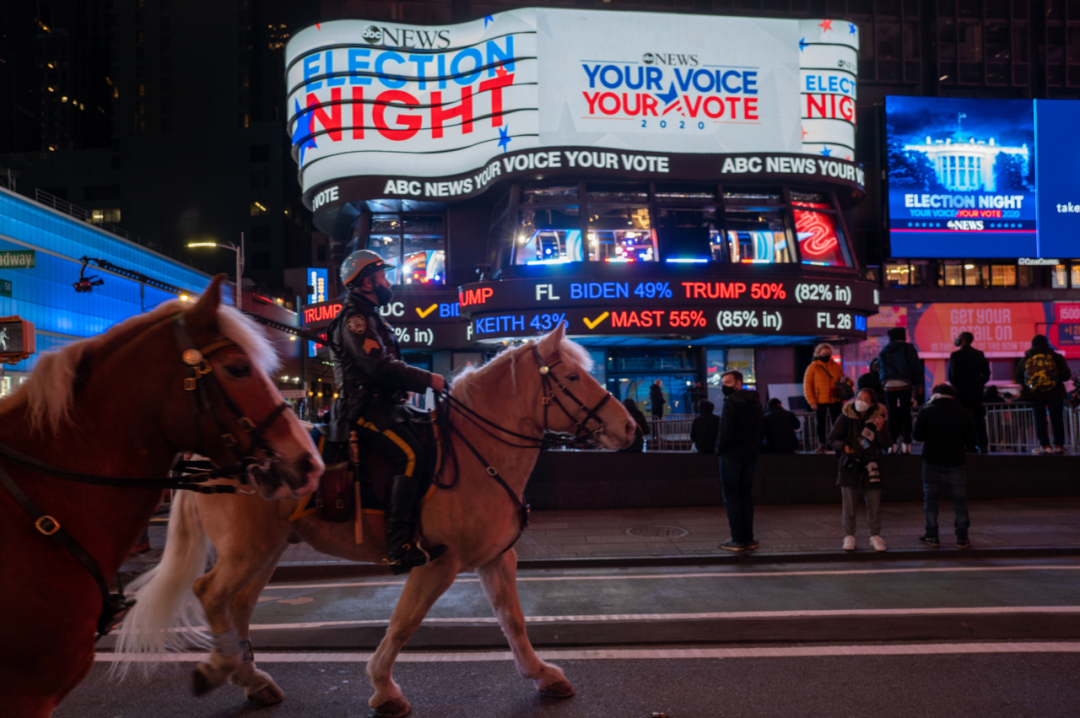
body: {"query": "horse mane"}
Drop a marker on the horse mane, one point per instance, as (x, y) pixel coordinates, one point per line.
(465, 383)
(50, 390)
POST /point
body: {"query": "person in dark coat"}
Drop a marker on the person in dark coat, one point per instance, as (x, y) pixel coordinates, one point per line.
(871, 379)
(992, 395)
(737, 445)
(901, 374)
(859, 436)
(946, 427)
(778, 430)
(968, 373)
(642, 427)
(705, 427)
(1043, 373)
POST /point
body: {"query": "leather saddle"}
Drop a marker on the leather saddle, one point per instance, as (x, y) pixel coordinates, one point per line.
(348, 462)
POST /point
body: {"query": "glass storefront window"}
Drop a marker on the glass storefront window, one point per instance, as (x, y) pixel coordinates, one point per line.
(387, 246)
(425, 251)
(415, 244)
(1059, 277)
(688, 235)
(618, 193)
(550, 195)
(897, 275)
(953, 275)
(1025, 277)
(758, 236)
(621, 234)
(975, 275)
(549, 236)
(684, 193)
(1003, 275)
(742, 360)
(819, 240)
(753, 196)
(1075, 275)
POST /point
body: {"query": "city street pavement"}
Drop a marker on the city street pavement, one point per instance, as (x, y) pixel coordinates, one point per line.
(984, 637)
(684, 536)
(988, 685)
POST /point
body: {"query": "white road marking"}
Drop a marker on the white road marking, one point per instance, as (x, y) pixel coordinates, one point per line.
(919, 649)
(625, 617)
(666, 576)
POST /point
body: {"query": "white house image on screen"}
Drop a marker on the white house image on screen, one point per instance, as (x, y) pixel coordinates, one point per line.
(966, 165)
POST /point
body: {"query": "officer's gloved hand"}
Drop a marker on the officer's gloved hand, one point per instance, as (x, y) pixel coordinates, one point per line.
(438, 383)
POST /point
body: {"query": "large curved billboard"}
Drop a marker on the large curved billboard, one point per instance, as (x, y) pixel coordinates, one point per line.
(427, 112)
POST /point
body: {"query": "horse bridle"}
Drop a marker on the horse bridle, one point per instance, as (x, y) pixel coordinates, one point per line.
(200, 384)
(115, 605)
(548, 378)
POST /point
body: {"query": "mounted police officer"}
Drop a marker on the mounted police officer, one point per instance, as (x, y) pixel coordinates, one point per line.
(373, 384)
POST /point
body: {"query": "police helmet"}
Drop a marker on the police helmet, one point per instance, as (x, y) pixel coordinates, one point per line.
(361, 264)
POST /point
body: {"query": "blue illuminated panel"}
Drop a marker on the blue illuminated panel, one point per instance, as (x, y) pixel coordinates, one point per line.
(45, 296)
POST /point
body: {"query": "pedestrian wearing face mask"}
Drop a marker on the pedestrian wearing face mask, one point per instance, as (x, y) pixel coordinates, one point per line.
(859, 436)
(823, 391)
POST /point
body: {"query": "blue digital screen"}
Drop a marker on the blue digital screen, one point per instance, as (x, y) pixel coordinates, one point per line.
(1058, 173)
(961, 177)
(318, 280)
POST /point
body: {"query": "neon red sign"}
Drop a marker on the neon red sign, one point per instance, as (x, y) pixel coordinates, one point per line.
(475, 296)
(321, 313)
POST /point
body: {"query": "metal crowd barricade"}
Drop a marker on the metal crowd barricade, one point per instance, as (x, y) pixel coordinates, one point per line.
(1011, 428)
(671, 433)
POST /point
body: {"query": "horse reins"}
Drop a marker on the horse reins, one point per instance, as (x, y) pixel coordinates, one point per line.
(445, 403)
(115, 605)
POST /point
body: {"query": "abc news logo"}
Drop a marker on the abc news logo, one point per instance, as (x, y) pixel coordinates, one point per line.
(400, 37)
(669, 58)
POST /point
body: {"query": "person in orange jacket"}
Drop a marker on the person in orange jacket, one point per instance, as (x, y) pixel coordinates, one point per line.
(819, 388)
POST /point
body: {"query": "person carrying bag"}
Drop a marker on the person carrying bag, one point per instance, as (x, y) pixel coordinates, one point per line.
(859, 436)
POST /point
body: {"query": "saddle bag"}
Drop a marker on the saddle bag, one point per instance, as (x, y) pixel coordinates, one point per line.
(335, 498)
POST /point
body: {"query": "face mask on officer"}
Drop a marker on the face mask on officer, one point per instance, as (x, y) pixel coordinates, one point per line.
(383, 294)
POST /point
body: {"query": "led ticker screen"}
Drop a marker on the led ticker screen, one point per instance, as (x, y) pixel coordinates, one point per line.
(525, 307)
(982, 178)
(689, 320)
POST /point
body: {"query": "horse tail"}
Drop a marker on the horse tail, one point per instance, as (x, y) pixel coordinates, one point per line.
(165, 600)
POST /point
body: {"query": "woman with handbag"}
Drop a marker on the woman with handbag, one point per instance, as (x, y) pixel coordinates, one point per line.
(859, 436)
(826, 389)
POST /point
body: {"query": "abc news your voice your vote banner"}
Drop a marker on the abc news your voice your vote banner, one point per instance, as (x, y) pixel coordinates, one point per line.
(983, 178)
(405, 106)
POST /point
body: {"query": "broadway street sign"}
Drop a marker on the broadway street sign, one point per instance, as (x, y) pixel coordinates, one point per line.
(18, 259)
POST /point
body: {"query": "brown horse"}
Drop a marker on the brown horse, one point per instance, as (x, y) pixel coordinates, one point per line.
(521, 390)
(116, 406)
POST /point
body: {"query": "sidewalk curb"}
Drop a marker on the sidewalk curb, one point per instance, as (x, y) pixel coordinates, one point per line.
(352, 570)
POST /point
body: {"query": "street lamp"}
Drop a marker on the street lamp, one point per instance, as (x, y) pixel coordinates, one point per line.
(239, 262)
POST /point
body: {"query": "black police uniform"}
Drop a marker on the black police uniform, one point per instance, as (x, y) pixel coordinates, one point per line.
(373, 383)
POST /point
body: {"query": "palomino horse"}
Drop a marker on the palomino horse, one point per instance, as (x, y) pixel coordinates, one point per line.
(116, 406)
(477, 520)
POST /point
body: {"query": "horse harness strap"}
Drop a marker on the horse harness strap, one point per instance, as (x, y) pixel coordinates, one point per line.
(113, 605)
(523, 508)
(548, 377)
(195, 359)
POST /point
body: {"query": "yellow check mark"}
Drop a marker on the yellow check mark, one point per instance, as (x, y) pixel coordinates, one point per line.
(424, 312)
(592, 324)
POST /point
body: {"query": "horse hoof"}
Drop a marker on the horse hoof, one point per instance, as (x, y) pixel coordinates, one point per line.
(395, 708)
(200, 685)
(267, 696)
(558, 689)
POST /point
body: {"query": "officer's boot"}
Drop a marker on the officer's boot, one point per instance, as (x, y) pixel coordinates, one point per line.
(401, 547)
